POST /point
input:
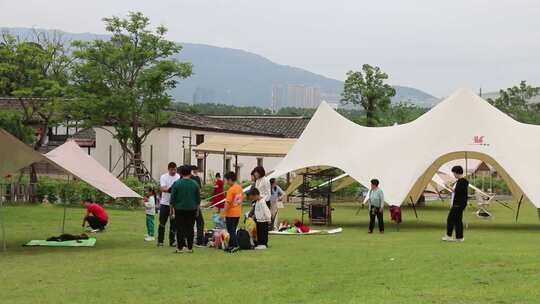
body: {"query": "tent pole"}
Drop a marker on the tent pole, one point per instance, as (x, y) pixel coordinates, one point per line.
(466, 164)
(519, 205)
(440, 196)
(414, 207)
(65, 206)
(4, 246)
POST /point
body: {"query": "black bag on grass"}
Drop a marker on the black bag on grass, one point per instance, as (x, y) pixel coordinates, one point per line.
(244, 239)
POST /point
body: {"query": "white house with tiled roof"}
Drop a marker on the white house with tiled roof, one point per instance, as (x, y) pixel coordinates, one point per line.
(175, 142)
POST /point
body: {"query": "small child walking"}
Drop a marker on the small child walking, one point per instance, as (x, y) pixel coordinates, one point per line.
(150, 210)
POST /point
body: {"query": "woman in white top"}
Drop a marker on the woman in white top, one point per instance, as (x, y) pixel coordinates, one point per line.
(262, 183)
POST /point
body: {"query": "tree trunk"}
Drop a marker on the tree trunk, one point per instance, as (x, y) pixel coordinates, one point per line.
(370, 114)
(32, 189)
(137, 158)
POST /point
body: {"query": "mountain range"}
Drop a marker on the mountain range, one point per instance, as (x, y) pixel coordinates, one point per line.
(241, 78)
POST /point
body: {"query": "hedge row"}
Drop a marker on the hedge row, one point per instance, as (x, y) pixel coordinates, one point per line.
(57, 190)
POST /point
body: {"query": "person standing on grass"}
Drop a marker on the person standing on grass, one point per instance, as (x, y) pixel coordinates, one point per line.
(262, 183)
(185, 201)
(96, 217)
(199, 216)
(233, 209)
(262, 216)
(275, 198)
(376, 206)
(218, 196)
(459, 202)
(165, 183)
(150, 210)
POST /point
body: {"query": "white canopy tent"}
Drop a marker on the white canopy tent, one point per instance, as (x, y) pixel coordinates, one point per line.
(405, 157)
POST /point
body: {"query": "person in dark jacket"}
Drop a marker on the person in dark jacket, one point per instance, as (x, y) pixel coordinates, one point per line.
(459, 202)
(199, 220)
(185, 201)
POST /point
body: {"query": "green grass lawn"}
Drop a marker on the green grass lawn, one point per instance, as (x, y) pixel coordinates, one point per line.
(498, 263)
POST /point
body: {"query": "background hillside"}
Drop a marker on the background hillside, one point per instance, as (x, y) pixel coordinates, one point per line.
(241, 78)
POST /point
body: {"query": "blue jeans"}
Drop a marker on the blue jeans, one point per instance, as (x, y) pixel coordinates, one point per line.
(232, 223)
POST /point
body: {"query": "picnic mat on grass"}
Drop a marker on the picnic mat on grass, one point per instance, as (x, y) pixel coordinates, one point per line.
(78, 243)
(311, 232)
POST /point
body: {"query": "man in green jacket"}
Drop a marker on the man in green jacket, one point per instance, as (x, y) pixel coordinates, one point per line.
(185, 201)
(376, 206)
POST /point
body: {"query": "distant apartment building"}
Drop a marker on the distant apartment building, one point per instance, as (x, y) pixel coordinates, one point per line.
(295, 95)
(279, 97)
(204, 95)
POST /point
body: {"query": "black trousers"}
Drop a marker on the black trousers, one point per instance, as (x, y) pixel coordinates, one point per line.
(455, 220)
(232, 223)
(200, 227)
(376, 212)
(95, 222)
(185, 219)
(262, 233)
(164, 213)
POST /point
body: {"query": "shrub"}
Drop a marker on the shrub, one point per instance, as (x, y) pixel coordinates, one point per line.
(48, 187)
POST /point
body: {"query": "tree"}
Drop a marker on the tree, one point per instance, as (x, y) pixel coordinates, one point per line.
(402, 112)
(13, 122)
(36, 72)
(515, 101)
(124, 82)
(367, 88)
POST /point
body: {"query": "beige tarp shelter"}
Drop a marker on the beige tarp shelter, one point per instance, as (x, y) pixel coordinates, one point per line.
(405, 157)
(250, 146)
(15, 155)
(74, 160)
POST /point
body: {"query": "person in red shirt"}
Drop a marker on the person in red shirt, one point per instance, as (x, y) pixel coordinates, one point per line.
(218, 199)
(96, 216)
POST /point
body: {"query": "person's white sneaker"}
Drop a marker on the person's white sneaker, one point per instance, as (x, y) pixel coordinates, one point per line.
(260, 247)
(149, 238)
(94, 230)
(460, 240)
(447, 238)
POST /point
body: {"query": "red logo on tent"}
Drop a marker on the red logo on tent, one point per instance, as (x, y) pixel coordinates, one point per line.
(478, 140)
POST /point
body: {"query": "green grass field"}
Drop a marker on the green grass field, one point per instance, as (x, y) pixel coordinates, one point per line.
(498, 263)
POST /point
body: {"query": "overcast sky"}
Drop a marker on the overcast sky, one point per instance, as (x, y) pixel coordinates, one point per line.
(433, 45)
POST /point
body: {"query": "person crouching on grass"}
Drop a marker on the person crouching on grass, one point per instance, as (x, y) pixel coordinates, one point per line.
(262, 216)
(185, 201)
(376, 206)
(149, 202)
(96, 216)
(459, 203)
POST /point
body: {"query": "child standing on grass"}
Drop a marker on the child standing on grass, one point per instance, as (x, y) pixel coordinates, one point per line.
(262, 216)
(150, 210)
